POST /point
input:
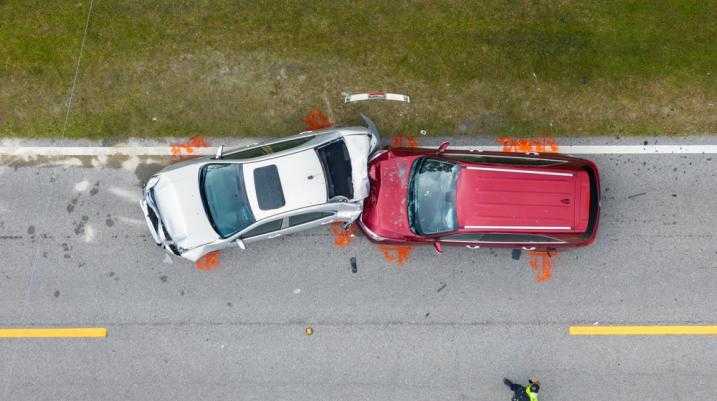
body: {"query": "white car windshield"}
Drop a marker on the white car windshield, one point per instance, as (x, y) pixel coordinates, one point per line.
(224, 197)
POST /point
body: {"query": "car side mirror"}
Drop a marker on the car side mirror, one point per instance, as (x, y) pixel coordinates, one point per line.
(442, 148)
(240, 243)
(438, 247)
(220, 149)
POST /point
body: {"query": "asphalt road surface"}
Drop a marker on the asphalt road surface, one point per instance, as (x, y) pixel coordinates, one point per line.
(75, 251)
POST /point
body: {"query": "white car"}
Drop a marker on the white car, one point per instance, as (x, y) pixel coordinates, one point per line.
(259, 192)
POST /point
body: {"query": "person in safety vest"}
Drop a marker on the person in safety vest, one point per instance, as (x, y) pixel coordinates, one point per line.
(524, 393)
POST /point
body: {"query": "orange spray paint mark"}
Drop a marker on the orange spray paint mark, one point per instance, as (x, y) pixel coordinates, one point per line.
(342, 237)
(523, 145)
(396, 254)
(317, 120)
(404, 141)
(541, 262)
(208, 262)
(185, 149)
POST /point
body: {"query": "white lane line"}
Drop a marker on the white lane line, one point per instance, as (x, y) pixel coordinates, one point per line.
(613, 149)
(101, 151)
(206, 151)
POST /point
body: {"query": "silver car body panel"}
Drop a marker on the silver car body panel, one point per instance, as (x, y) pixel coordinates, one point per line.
(173, 195)
(302, 180)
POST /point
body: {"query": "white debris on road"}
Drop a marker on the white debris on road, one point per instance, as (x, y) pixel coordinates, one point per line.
(82, 186)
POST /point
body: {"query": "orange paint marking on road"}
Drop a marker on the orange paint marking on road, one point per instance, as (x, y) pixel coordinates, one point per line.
(186, 149)
(342, 238)
(541, 262)
(404, 141)
(527, 145)
(317, 120)
(396, 254)
(208, 262)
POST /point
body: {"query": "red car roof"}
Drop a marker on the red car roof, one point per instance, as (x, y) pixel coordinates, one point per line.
(518, 199)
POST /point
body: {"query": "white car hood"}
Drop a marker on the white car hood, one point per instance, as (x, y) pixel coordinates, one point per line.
(359, 147)
(180, 207)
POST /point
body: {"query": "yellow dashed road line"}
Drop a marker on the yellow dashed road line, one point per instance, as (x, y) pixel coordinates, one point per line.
(643, 330)
(54, 332)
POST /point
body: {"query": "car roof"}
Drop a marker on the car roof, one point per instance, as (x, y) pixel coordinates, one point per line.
(522, 199)
(301, 178)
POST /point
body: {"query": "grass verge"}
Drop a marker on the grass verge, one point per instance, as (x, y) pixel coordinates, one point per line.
(222, 67)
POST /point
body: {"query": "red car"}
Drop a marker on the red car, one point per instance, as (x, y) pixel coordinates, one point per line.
(481, 199)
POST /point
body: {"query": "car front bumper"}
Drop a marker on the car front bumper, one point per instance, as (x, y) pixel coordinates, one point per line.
(154, 222)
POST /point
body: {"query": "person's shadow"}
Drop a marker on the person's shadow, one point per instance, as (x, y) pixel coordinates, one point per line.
(518, 391)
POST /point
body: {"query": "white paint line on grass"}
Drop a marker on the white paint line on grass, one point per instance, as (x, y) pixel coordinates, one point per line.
(132, 151)
(77, 68)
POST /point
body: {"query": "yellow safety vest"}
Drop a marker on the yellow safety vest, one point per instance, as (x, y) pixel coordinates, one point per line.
(533, 396)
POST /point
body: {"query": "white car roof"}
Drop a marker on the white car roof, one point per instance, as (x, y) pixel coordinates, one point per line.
(302, 182)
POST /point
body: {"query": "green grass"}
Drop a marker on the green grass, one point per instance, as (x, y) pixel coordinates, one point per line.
(255, 68)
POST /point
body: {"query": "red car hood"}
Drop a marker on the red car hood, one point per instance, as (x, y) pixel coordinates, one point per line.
(520, 199)
(388, 177)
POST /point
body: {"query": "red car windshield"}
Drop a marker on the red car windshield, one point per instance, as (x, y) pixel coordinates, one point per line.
(432, 196)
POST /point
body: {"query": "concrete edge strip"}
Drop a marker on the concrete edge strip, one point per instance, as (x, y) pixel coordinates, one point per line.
(55, 151)
(54, 332)
(657, 330)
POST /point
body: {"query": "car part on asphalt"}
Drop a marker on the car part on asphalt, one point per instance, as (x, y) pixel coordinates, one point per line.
(354, 268)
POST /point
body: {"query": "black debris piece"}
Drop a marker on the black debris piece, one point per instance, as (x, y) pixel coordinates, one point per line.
(636, 195)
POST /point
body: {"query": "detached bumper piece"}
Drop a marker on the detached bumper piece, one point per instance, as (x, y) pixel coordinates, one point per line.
(356, 97)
